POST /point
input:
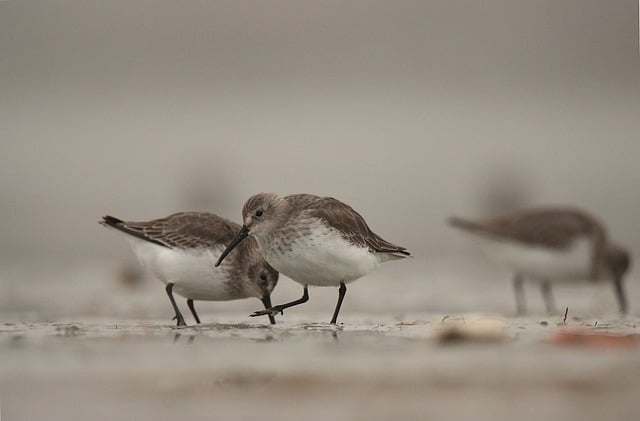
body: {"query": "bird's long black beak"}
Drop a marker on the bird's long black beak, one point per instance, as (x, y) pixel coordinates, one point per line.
(622, 298)
(244, 232)
(267, 305)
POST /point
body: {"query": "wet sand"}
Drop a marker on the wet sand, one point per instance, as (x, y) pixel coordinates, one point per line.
(97, 350)
(98, 369)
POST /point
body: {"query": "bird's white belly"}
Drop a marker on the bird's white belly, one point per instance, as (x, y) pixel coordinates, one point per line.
(322, 258)
(191, 271)
(573, 263)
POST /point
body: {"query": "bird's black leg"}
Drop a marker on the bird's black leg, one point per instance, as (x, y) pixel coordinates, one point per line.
(548, 297)
(341, 292)
(279, 308)
(521, 306)
(622, 299)
(266, 301)
(193, 310)
(178, 315)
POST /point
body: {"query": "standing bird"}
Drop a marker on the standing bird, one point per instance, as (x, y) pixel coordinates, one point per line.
(550, 245)
(314, 241)
(181, 250)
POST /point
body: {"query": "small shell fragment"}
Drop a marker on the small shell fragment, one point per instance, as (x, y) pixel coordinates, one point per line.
(472, 329)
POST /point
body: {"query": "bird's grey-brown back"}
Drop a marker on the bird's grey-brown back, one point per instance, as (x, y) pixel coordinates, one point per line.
(180, 230)
(290, 216)
(554, 228)
(351, 225)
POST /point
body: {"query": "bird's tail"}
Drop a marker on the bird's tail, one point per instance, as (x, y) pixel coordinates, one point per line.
(472, 227)
(131, 228)
(110, 221)
(398, 253)
(464, 224)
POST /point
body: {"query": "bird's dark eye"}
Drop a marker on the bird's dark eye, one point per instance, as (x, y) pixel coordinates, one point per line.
(259, 213)
(263, 276)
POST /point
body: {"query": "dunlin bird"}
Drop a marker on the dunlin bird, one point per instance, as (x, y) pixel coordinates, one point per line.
(181, 250)
(314, 241)
(550, 245)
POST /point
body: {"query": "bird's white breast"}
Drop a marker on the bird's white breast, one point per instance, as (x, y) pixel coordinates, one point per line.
(190, 270)
(572, 263)
(320, 256)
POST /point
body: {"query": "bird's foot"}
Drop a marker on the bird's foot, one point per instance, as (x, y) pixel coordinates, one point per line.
(180, 320)
(269, 311)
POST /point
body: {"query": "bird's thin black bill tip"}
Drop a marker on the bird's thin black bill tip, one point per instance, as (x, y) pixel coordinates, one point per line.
(242, 234)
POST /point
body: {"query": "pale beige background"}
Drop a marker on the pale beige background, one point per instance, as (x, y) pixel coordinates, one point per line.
(410, 111)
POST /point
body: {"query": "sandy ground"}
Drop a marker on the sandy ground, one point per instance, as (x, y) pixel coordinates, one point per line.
(100, 351)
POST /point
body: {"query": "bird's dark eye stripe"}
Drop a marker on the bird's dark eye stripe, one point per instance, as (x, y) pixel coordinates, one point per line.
(263, 277)
(259, 213)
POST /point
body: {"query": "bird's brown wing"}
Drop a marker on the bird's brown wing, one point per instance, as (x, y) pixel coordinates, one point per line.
(348, 222)
(553, 228)
(181, 230)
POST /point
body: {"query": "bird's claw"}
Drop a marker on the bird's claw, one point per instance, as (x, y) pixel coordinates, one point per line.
(268, 312)
(180, 320)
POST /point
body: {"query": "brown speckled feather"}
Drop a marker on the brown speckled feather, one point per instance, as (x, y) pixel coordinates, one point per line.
(344, 219)
(547, 227)
(181, 230)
